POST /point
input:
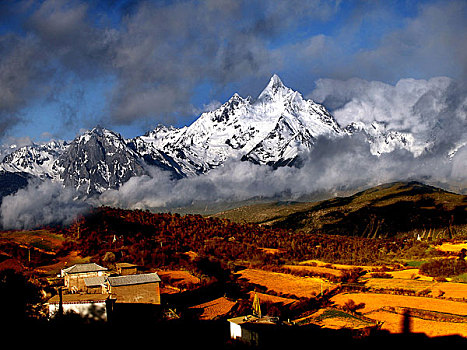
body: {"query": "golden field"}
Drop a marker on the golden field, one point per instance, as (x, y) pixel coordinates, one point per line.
(384, 301)
(286, 284)
(452, 247)
(376, 308)
(318, 270)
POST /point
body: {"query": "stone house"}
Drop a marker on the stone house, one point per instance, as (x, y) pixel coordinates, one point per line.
(73, 276)
(138, 288)
(90, 291)
(93, 306)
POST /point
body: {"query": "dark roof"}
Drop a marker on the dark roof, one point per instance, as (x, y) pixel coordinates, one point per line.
(83, 268)
(133, 279)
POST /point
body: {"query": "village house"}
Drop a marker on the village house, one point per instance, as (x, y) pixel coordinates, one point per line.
(90, 290)
(93, 306)
(138, 288)
(256, 328)
(73, 276)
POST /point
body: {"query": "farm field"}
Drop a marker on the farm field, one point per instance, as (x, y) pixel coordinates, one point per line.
(42, 239)
(319, 270)
(377, 307)
(286, 284)
(336, 319)
(375, 301)
(410, 274)
(337, 267)
(383, 304)
(271, 298)
(451, 247)
(176, 281)
(448, 290)
(214, 308)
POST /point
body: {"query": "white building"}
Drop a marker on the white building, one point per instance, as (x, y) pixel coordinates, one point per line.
(92, 306)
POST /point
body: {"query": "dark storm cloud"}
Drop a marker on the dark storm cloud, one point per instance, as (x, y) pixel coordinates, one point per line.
(157, 54)
(55, 44)
(21, 70)
(66, 32)
(374, 42)
(165, 52)
(432, 43)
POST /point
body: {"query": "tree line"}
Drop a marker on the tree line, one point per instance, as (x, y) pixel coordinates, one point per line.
(163, 239)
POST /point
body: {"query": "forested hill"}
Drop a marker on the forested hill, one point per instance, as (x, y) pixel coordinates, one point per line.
(155, 240)
(384, 211)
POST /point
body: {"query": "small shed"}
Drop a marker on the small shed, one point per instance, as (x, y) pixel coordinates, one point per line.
(126, 269)
(254, 330)
(236, 325)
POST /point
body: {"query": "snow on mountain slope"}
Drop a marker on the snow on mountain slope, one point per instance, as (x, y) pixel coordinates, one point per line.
(298, 122)
(98, 160)
(272, 129)
(382, 140)
(37, 160)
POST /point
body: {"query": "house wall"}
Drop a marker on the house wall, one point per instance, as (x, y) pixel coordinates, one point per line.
(148, 293)
(76, 280)
(95, 290)
(127, 271)
(95, 310)
(235, 330)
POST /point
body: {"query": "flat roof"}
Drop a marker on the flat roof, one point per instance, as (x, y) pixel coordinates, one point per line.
(252, 319)
(243, 319)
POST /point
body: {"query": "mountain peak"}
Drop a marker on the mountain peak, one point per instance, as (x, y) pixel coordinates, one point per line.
(274, 87)
(275, 83)
(275, 79)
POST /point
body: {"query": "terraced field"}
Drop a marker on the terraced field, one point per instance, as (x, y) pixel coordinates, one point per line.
(286, 284)
(388, 308)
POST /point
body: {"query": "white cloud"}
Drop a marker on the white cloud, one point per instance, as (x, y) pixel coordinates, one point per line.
(433, 110)
(39, 204)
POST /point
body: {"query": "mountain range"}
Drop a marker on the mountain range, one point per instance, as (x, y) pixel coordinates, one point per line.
(275, 129)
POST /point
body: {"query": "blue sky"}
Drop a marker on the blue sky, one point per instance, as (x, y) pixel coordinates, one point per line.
(66, 66)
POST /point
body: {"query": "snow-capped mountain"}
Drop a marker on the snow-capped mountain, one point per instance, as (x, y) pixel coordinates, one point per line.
(37, 160)
(274, 129)
(98, 160)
